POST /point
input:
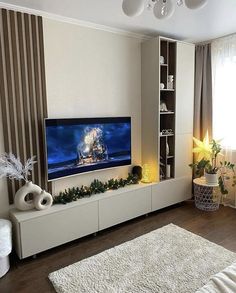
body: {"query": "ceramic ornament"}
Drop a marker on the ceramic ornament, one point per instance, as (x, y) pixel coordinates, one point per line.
(12, 168)
(20, 200)
(43, 200)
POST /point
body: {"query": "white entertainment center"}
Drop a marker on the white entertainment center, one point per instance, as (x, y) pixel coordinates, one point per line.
(37, 231)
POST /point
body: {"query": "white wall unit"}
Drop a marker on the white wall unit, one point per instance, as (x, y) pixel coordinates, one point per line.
(37, 231)
(169, 192)
(117, 209)
(179, 61)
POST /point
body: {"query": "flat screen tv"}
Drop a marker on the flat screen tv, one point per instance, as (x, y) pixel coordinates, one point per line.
(86, 144)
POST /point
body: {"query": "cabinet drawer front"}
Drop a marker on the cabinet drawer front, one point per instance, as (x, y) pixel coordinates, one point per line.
(123, 207)
(183, 149)
(185, 87)
(51, 230)
(170, 192)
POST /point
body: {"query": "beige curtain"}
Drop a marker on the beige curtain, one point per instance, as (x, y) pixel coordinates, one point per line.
(23, 90)
(203, 92)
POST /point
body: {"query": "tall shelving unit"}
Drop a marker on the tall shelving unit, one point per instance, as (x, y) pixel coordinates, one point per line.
(178, 116)
(167, 96)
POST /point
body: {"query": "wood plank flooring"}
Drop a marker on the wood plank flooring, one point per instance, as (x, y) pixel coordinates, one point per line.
(30, 275)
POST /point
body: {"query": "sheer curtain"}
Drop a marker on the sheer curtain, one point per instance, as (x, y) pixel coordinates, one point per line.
(224, 99)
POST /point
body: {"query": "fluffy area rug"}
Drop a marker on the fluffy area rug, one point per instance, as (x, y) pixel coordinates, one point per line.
(169, 259)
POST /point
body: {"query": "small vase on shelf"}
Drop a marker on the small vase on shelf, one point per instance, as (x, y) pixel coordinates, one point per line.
(167, 149)
(170, 82)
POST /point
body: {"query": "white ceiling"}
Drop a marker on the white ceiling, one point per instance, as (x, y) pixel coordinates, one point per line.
(216, 19)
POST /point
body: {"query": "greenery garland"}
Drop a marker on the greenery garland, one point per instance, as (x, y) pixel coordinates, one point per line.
(96, 187)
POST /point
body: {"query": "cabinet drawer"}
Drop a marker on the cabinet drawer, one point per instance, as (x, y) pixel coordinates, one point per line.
(123, 207)
(42, 233)
(170, 192)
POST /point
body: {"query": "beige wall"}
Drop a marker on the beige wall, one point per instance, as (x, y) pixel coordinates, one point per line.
(90, 73)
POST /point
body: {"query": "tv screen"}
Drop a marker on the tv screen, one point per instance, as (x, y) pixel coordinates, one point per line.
(86, 144)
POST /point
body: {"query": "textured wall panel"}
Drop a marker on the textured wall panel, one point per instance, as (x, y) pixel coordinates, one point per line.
(23, 90)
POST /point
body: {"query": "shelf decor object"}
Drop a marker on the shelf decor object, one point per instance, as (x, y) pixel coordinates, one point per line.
(96, 187)
(162, 9)
(146, 178)
(170, 84)
(20, 200)
(162, 60)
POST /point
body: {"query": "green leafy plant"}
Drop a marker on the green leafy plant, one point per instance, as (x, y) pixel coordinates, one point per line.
(209, 162)
(224, 166)
(96, 187)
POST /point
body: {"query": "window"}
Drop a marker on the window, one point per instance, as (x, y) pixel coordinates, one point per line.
(224, 90)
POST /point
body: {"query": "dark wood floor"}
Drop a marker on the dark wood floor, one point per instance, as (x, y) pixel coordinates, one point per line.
(30, 275)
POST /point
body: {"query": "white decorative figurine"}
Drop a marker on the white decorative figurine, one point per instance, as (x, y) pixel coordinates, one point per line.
(163, 107)
(11, 167)
(43, 200)
(20, 197)
(170, 82)
(162, 60)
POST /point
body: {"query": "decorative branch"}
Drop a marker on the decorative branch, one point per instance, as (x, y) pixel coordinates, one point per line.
(96, 187)
(12, 168)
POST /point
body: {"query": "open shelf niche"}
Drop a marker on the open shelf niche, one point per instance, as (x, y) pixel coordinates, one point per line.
(167, 116)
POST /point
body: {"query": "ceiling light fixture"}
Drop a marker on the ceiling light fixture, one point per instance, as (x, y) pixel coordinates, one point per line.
(162, 9)
(133, 7)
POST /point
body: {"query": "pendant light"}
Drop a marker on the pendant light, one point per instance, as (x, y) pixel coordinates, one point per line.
(195, 4)
(163, 9)
(133, 7)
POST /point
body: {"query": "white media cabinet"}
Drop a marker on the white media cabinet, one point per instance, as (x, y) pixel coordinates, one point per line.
(37, 231)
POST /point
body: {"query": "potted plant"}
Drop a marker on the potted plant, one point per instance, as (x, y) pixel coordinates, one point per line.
(210, 166)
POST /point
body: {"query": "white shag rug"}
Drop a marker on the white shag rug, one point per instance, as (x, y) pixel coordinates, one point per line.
(169, 259)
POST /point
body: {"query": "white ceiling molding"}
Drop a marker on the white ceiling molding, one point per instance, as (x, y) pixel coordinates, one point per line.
(75, 21)
(190, 25)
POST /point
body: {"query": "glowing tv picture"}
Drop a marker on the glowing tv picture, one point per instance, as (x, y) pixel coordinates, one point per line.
(81, 145)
